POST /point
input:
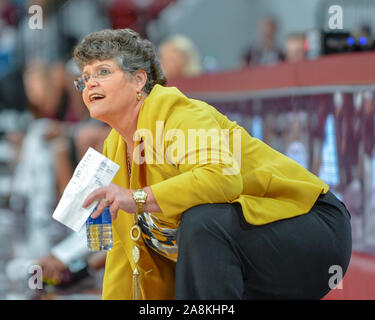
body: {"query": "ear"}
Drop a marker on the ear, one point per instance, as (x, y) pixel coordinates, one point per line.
(140, 78)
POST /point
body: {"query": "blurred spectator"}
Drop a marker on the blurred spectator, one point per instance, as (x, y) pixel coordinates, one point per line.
(265, 51)
(64, 23)
(348, 131)
(48, 81)
(60, 145)
(70, 131)
(77, 18)
(287, 132)
(296, 139)
(367, 165)
(364, 39)
(135, 14)
(55, 265)
(8, 21)
(179, 57)
(38, 52)
(71, 138)
(60, 131)
(9, 12)
(316, 126)
(12, 92)
(44, 44)
(295, 47)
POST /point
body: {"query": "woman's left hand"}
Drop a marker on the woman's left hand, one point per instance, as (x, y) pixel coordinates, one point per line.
(114, 196)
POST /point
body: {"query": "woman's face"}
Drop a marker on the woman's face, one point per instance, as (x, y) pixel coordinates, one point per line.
(109, 92)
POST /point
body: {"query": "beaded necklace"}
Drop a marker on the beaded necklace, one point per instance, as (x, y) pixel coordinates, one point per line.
(135, 235)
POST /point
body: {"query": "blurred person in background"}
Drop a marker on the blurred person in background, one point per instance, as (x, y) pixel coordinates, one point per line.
(8, 21)
(56, 266)
(287, 138)
(179, 57)
(286, 132)
(72, 138)
(60, 130)
(295, 47)
(296, 137)
(135, 14)
(68, 141)
(187, 230)
(9, 12)
(348, 127)
(296, 134)
(367, 162)
(64, 23)
(363, 38)
(47, 78)
(41, 51)
(11, 92)
(316, 127)
(265, 51)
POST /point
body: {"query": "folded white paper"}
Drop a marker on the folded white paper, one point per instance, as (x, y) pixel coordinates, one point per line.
(93, 171)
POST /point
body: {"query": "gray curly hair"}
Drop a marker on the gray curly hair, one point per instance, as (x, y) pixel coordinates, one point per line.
(127, 48)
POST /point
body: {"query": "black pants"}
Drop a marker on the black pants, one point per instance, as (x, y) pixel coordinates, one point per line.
(221, 256)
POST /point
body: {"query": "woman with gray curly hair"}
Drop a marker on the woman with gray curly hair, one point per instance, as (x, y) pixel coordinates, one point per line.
(241, 222)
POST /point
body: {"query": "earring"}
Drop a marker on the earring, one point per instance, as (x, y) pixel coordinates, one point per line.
(139, 96)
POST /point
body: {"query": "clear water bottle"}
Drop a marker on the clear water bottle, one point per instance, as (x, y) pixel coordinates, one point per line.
(99, 232)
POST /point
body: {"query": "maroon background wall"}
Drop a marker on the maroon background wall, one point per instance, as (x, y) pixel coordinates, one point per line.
(344, 69)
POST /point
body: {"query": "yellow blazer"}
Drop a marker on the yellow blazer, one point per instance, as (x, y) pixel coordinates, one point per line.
(268, 185)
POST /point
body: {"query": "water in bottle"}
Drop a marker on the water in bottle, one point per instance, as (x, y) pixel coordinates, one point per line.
(99, 232)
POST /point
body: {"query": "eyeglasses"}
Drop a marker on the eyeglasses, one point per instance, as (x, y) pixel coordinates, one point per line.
(101, 73)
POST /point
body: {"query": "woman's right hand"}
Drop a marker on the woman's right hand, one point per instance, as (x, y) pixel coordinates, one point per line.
(113, 196)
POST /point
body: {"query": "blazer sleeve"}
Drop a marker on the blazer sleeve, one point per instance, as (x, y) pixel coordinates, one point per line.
(213, 178)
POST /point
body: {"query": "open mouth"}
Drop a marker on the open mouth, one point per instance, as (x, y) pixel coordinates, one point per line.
(95, 97)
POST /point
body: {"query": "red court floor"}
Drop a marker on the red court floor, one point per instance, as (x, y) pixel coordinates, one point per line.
(359, 280)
